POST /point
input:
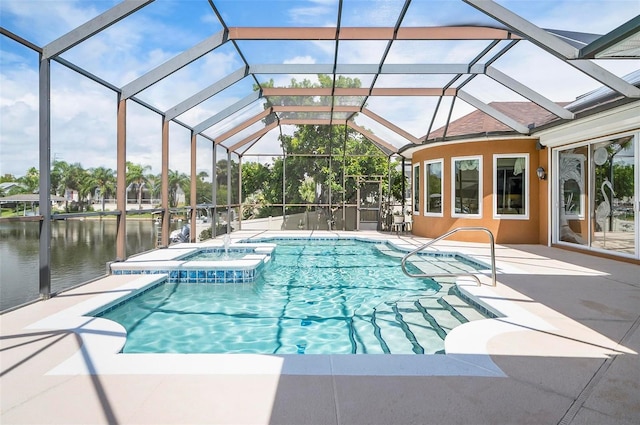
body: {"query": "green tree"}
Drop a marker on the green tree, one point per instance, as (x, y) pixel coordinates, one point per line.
(137, 179)
(7, 178)
(312, 146)
(65, 177)
(623, 178)
(177, 181)
(31, 180)
(86, 186)
(255, 176)
(154, 185)
(268, 180)
(317, 141)
(253, 205)
(105, 182)
(203, 189)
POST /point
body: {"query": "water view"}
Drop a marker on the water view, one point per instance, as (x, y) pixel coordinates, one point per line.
(80, 250)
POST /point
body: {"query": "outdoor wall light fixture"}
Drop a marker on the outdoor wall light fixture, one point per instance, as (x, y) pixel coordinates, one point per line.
(542, 175)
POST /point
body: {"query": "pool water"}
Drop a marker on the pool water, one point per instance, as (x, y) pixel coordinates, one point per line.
(315, 297)
(216, 255)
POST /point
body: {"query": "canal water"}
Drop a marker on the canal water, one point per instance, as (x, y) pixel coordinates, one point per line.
(80, 250)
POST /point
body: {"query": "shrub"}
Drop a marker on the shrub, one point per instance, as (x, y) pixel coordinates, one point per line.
(205, 234)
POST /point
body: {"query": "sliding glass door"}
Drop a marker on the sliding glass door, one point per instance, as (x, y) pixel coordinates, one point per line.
(596, 195)
(614, 188)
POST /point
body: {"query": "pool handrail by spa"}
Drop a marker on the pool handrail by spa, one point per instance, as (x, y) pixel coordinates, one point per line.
(444, 236)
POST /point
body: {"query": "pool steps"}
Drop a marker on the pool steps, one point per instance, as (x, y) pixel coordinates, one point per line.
(436, 261)
(459, 305)
(411, 325)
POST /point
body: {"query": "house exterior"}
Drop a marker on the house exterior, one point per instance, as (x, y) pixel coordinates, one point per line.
(6, 187)
(573, 184)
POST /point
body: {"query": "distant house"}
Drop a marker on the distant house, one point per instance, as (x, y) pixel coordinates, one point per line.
(7, 187)
(24, 199)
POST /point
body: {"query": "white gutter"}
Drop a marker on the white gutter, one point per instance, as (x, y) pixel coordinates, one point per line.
(617, 120)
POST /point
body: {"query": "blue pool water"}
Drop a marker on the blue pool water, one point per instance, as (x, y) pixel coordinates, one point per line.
(218, 254)
(315, 297)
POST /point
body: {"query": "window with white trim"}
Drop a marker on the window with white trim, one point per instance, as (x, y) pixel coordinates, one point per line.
(511, 186)
(433, 187)
(466, 186)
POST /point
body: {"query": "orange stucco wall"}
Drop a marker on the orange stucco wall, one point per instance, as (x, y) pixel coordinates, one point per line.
(532, 230)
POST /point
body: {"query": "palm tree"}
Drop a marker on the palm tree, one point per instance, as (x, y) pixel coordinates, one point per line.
(31, 180)
(203, 190)
(154, 185)
(177, 180)
(105, 182)
(136, 176)
(86, 186)
(59, 169)
(64, 176)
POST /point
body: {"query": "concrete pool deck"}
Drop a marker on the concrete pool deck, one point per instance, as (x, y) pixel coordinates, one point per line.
(565, 353)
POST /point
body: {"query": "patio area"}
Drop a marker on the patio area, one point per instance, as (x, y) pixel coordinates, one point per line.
(565, 353)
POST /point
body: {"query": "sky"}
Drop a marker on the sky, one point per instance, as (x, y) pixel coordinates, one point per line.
(83, 117)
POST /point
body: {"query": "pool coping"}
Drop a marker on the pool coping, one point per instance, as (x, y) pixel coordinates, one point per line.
(468, 346)
(103, 339)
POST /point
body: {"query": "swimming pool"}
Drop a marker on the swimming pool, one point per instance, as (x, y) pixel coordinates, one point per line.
(316, 296)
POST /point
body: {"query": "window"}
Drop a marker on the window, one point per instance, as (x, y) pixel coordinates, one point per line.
(433, 187)
(416, 188)
(510, 186)
(466, 186)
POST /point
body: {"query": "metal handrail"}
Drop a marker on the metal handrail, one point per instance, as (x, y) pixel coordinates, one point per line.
(449, 233)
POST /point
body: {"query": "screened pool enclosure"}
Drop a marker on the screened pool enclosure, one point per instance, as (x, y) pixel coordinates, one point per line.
(282, 115)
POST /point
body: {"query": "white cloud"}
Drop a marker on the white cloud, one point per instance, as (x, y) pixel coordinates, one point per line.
(314, 11)
(44, 21)
(413, 116)
(18, 138)
(18, 116)
(592, 16)
(83, 116)
(179, 149)
(83, 119)
(190, 80)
